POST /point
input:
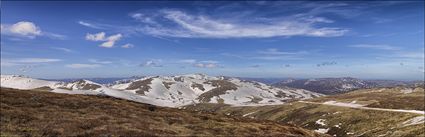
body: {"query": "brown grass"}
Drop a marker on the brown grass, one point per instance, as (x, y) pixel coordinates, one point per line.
(391, 98)
(38, 113)
(354, 122)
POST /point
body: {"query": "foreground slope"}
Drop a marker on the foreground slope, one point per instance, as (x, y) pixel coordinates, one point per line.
(395, 112)
(39, 113)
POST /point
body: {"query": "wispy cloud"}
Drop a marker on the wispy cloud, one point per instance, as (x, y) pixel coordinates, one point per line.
(203, 26)
(200, 64)
(128, 45)
(205, 65)
(410, 55)
(62, 49)
(82, 66)
(189, 61)
(36, 60)
(375, 46)
(327, 63)
(90, 25)
(271, 54)
(27, 61)
(99, 61)
(272, 51)
(154, 63)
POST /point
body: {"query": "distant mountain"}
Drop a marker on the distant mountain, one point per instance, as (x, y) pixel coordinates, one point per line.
(200, 88)
(171, 91)
(97, 80)
(268, 81)
(340, 85)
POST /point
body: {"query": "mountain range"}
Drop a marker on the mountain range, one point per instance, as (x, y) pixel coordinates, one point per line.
(171, 91)
(331, 86)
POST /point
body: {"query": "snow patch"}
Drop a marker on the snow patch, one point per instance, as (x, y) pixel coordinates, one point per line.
(414, 121)
(322, 130)
(343, 104)
(247, 114)
(406, 90)
(321, 122)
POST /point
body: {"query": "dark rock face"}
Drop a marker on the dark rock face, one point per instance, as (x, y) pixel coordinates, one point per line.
(221, 87)
(86, 86)
(199, 86)
(141, 85)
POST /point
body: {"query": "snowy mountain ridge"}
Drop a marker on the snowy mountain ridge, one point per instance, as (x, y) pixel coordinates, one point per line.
(172, 91)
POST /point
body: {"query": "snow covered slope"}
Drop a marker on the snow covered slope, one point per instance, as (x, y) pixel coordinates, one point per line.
(172, 91)
(200, 88)
(22, 82)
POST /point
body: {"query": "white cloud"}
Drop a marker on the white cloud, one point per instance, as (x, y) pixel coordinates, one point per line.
(190, 26)
(28, 30)
(108, 44)
(128, 45)
(23, 29)
(375, 46)
(101, 36)
(80, 66)
(96, 37)
(114, 37)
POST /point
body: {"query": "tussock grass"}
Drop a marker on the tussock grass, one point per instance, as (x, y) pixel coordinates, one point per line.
(37, 113)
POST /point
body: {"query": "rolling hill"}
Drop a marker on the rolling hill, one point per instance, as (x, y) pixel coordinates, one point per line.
(41, 113)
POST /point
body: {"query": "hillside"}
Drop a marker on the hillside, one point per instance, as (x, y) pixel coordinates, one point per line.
(39, 113)
(371, 112)
(331, 86)
(172, 91)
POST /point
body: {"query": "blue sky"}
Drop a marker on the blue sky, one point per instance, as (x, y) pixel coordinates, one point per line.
(370, 40)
